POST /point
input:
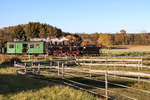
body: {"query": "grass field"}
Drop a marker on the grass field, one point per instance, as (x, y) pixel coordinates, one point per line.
(17, 87)
(139, 95)
(127, 50)
(138, 48)
(118, 68)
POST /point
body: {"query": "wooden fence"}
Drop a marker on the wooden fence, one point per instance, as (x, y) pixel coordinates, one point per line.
(62, 71)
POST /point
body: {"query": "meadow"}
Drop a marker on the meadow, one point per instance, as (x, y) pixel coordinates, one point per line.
(127, 50)
(19, 87)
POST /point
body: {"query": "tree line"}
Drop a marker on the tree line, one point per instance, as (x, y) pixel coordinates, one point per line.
(111, 39)
(123, 38)
(38, 30)
(30, 30)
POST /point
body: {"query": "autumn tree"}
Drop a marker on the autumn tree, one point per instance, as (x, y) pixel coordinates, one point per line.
(123, 31)
(105, 39)
(43, 33)
(35, 29)
(19, 32)
(32, 30)
(131, 39)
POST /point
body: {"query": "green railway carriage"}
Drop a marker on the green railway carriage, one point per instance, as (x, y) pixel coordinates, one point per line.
(35, 47)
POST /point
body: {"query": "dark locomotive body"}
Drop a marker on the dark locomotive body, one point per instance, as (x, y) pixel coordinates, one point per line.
(64, 48)
(91, 50)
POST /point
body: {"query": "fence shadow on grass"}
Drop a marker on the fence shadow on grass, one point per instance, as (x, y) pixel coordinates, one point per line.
(11, 83)
(9, 62)
(101, 84)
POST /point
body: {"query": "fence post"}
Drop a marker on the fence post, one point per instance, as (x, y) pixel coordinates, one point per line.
(62, 70)
(138, 66)
(79, 61)
(32, 64)
(124, 63)
(90, 72)
(106, 61)
(58, 69)
(45, 57)
(25, 70)
(106, 79)
(33, 68)
(50, 63)
(29, 57)
(14, 63)
(38, 69)
(141, 62)
(15, 68)
(138, 70)
(114, 70)
(106, 85)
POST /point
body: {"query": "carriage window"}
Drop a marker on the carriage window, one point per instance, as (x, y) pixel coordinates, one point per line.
(31, 45)
(37, 45)
(11, 46)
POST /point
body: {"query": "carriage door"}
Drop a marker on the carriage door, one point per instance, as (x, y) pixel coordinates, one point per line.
(18, 48)
(25, 48)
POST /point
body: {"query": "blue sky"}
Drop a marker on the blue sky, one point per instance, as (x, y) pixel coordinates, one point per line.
(87, 16)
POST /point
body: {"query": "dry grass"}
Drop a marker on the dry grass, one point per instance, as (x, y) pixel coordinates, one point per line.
(131, 48)
(16, 87)
(8, 58)
(127, 50)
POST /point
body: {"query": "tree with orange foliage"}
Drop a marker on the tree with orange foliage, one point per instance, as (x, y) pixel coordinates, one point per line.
(105, 40)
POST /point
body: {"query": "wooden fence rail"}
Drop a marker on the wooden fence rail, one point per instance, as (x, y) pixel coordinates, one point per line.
(115, 60)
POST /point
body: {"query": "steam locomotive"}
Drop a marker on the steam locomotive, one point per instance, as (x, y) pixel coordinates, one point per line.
(55, 47)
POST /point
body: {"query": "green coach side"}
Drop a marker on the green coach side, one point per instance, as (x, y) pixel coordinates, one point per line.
(14, 48)
(35, 47)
